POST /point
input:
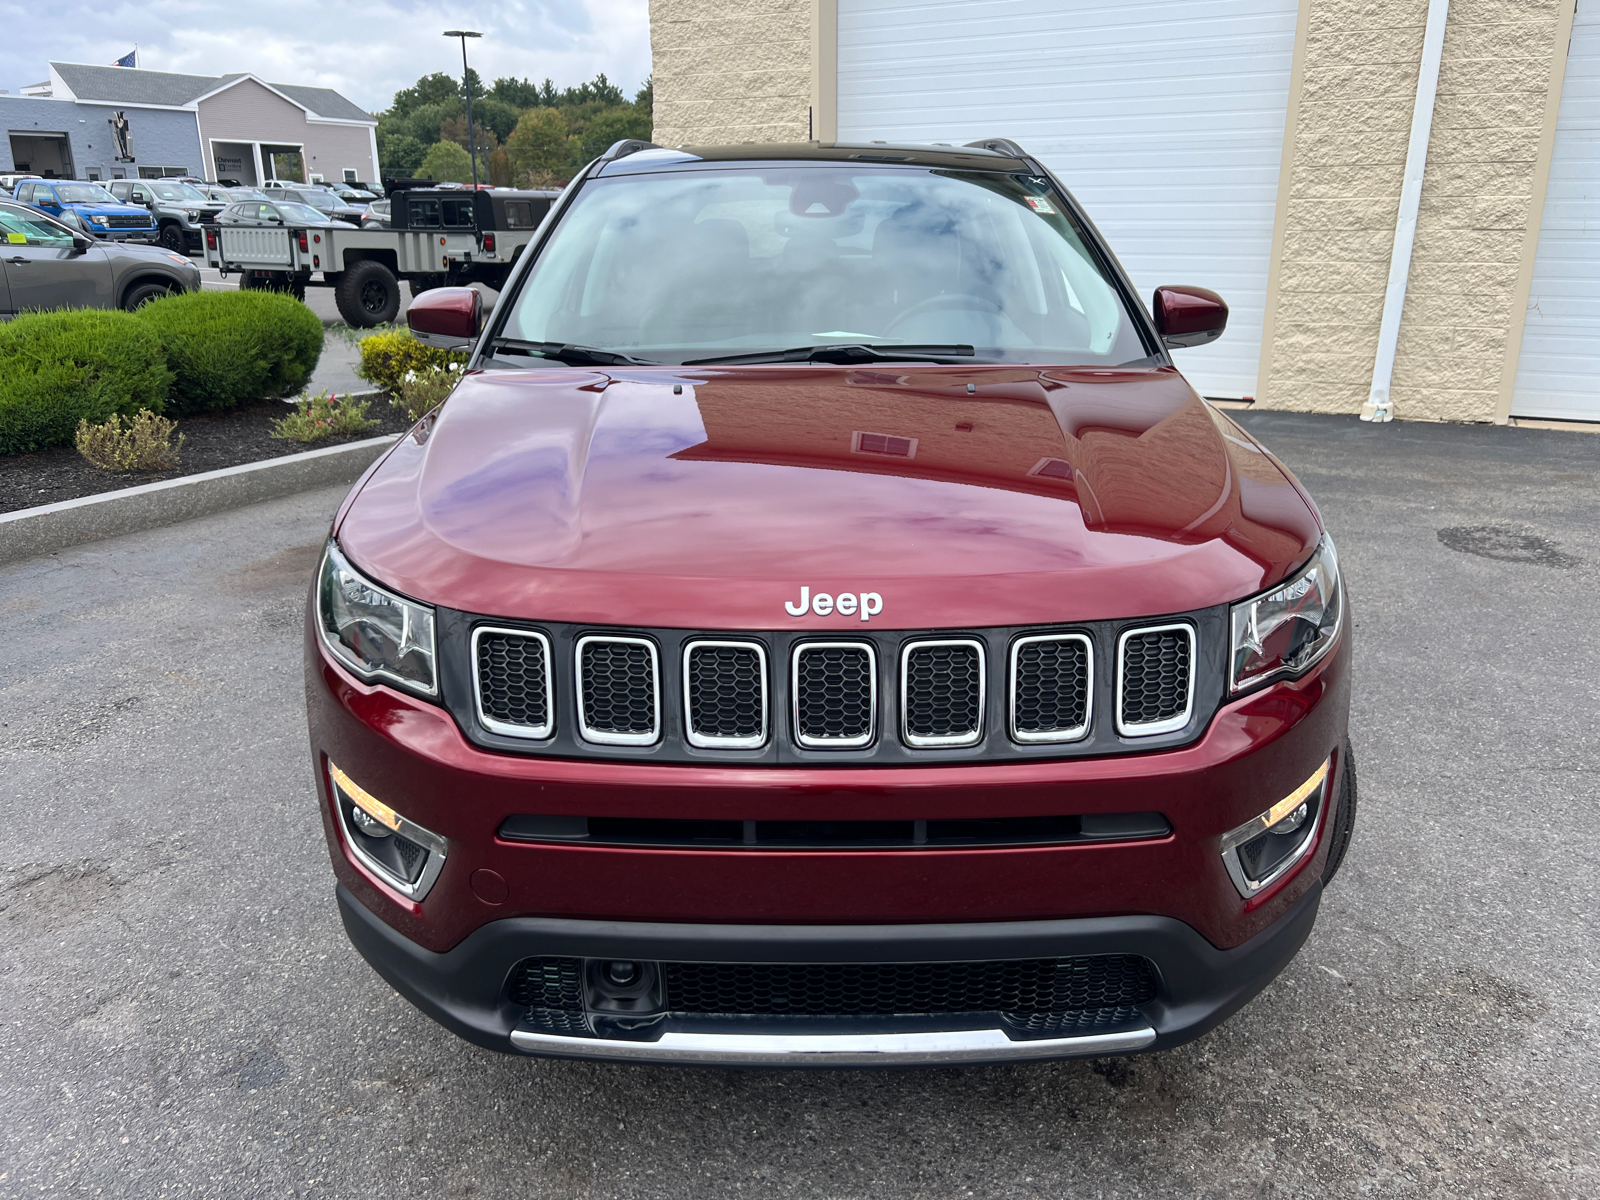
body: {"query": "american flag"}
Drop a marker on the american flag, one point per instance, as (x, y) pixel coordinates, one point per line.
(130, 59)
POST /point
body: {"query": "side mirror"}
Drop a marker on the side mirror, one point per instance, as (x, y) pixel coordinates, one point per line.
(448, 318)
(1189, 316)
(81, 243)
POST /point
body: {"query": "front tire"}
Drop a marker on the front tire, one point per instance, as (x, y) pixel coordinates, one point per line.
(172, 238)
(141, 294)
(1344, 818)
(368, 294)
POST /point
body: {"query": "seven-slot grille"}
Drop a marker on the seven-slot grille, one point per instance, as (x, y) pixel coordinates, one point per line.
(1051, 696)
(513, 681)
(619, 691)
(833, 701)
(835, 694)
(725, 694)
(1155, 679)
(942, 692)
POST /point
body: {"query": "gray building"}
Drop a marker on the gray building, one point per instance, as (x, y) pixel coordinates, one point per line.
(233, 127)
(67, 140)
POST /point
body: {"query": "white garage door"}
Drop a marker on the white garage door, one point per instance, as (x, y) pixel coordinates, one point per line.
(1165, 119)
(1558, 373)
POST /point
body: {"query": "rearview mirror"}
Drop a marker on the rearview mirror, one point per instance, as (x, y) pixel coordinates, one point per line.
(448, 318)
(1189, 316)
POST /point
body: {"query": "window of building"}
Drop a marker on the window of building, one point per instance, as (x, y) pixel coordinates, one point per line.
(350, 175)
(162, 172)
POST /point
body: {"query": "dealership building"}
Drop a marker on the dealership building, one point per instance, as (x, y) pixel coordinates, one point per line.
(1259, 147)
(234, 127)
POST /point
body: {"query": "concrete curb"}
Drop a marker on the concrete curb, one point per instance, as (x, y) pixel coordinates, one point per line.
(33, 531)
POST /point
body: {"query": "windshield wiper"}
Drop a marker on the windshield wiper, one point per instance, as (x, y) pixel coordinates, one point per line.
(568, 353)
(848, 353)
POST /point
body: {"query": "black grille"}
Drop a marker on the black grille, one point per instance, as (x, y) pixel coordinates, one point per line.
(944, 693)
(128, 222)
(727, 697)
(1155, 676)
(619, 688)
(833, 693)
(1051, 688)
(513, 679)
(549, 983)
(858, 989)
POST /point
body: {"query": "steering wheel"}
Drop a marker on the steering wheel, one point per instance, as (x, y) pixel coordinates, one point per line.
(947, 302)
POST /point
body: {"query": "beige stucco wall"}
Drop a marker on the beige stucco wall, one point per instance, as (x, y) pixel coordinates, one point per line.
(1342, 178)
(1462, 305)
(1342, 172)
(731, 70)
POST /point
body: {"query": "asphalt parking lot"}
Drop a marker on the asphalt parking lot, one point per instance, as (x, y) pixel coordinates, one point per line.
(180, 1013)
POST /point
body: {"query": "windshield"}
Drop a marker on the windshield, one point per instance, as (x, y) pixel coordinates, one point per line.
(687, 265)
(177, 191)
(84, 193)
(248, 194)
(319, 200)
(299, 213)
(18, 226)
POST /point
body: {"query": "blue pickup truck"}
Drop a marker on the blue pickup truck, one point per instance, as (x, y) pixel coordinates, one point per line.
(95, 210)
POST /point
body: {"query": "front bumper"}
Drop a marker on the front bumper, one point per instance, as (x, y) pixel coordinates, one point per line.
(466, 989)
(145, 236)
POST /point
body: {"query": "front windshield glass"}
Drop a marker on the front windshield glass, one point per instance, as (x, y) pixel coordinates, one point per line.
(248, 194)
(84, 193)
(300, 213)
(697, 264)
(19, 227)
(177, 191)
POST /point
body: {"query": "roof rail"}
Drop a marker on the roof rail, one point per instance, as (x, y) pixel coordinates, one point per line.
(626, 147)
(999, 146)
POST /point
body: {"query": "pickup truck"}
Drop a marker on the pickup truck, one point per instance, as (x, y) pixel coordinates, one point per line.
(181, 210)
(437, 237)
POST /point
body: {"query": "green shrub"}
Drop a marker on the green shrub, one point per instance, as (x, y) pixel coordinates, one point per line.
(423, 391)
(322, 416)
(387, 358)
(227, 347)
(59, 368)
(143, 444)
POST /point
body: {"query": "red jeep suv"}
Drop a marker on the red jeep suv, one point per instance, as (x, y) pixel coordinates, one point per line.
(823, 627)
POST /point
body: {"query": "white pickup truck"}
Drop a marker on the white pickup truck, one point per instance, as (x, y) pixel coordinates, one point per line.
(437, 237)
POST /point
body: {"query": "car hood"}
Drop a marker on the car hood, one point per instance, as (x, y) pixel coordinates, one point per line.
(709, 498)
(109, 210)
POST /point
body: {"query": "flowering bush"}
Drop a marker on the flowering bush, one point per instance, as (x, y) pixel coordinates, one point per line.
(324, 416)
(145, 445)
(421, 392)
(386, 359)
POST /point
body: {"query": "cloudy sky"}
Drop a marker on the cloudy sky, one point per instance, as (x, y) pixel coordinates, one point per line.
(366, 50)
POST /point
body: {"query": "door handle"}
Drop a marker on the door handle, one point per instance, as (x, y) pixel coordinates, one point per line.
(18, 260)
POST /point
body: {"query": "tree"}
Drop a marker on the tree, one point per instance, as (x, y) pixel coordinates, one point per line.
(430, 89)
(400, 155)
(496, 115)
(645, 100)
(455, 130)
(447, 163)
(519, 93)
(539, 142)
(501, 173)
(611, 125)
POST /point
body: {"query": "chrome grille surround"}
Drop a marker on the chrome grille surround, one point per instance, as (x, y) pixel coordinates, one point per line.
(966, 737)
(717, 741)
(1069, 734)
(607, 737)
(1167, 724)
(511, 728)
(798, 696)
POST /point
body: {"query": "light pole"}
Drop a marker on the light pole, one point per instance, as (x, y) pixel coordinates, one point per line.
(466, 86)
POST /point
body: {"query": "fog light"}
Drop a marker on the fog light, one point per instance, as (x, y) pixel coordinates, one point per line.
(1263, 850)
(622, 973)
(398, 851)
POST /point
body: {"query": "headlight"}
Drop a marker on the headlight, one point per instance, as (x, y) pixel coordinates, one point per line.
(178, 258)
(1284, 631)
(375, 633)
